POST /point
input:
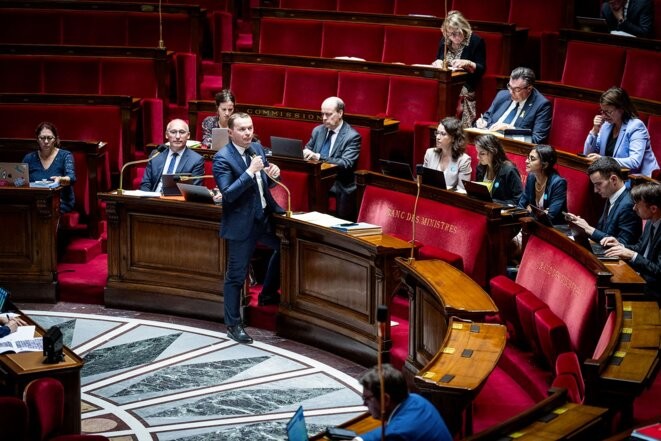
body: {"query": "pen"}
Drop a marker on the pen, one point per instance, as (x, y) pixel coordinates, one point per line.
(350, 224)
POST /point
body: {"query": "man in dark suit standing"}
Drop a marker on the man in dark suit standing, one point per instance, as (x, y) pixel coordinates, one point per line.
(645, 255)
(336, 142)
(244, 176)
(634, 17)
(618, 219)
(179, 158)
(521, 106)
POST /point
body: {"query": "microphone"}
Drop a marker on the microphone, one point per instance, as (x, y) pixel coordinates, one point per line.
(251, 152)
(381, 318)
(179, 178)
(161, 148)
(418, 179)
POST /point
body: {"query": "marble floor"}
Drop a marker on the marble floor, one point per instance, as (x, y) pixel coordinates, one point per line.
(156, 377)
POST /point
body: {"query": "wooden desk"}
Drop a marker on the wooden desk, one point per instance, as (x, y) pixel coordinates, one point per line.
(164, 255)
(361, 424)
(17, 370)
(28, 242)
(456, 374)
(438, 291)
(332, 284)
(625, 278)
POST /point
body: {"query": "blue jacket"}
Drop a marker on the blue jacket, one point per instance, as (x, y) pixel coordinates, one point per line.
(555, 197)
(190, 162)
(536, 116)
(623, 223)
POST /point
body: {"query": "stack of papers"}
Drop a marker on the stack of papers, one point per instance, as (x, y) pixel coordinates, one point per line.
(23, 340)
(358, 229)
(44, 183)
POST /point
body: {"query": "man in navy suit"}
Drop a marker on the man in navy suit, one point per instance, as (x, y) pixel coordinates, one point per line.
(618, 219)
(179, 158)
(521, 106)
(645, 255)
(634, 17)
(336, 142)
(244, 176)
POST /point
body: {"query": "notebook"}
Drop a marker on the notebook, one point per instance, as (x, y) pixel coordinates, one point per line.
(296, 430)
(14, 174)
(169, 187)
(220, 137)
(289, 147)
(477, 191)
(431, 177)
(195, 193)
(396, 169)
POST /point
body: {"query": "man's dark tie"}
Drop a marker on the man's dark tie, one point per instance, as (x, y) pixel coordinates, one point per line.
(325, 148)
(173, 161)
(511, 115)
(259, 210)
(650, 242)
(603, 222)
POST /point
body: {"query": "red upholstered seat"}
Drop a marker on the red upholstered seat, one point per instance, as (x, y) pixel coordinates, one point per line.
(290, 37)
(527, 305)
(178, 36)
(471, 151)
(411, 100)
(18, 26)
(493, 10)
(365, 159)
(606, 334)
(595, 66)
(297, 182)
(142, 84)
(71, 75)
(567, 381)
(306, 88)
(13, 418)
(399, 41)
(504, 291)
(552, 334)
(494, 45)
(371, 6)
(94, 28)
(340, 40)
(425, 7)
(270, 78)
(23, 77)
(571, 122)
(567, 364)
(319, 5)
(654, 129)
(363, 93)
(642, 70)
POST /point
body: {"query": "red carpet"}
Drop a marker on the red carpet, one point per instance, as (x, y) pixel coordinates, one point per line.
(83, 282)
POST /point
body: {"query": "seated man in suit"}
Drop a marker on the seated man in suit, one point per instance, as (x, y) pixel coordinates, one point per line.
(618, 219)
(644, 255)
(337, 143)
(634, 17)
(244, 177)
(519, 107)
(176, 159)
(409, 417)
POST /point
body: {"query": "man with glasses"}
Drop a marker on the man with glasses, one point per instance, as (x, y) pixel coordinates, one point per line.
(176, 159)
(521, 106)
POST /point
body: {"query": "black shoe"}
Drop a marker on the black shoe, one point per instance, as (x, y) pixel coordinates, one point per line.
(268, 299)
(238, 334)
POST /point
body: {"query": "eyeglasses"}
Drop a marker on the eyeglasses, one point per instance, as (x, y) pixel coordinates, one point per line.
(532, 158)
(516, 89)
(607, 112)
(175, 132)
(46, 138)
(454, 34)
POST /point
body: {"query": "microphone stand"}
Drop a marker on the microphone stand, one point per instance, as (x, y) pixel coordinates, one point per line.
(415, 210)
(159, 150)
(445, 46)
(381, 317)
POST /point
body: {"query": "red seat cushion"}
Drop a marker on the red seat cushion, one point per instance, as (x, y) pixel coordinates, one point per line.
(552, 334)
(642, 70)
(527, 304)
(567, 364)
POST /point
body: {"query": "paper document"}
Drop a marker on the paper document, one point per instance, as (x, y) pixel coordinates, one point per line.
(321, 219)
(143, 194)
(23, 340)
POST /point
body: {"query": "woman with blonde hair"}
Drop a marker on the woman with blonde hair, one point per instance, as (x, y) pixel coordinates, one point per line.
(462, 49)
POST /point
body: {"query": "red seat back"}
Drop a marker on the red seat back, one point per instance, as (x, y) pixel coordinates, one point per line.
(307, 88)
(71, 75)
(538, 15)
(399, 41)
(271, 80)
(572, 120)
(411, 100)
(654, 129)
(595, 66)
(363, 93)
(317, 5)
(18, 26)
(642, 70)
(94, 28)
(423, 7)
(13, 418)
(493, 10)
(494, 45)
(339, 40)
(23, 77)
(370, 6)
(290, 37)
(45, 400)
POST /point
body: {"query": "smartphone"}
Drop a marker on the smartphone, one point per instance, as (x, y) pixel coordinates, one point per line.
(338, 433)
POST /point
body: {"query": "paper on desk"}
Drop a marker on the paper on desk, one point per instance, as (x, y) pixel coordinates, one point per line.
(321, 219)
(22, 333)
(141, 193)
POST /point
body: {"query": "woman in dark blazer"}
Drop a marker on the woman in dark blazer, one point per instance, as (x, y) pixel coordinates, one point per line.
(499, 173)
(545, 188)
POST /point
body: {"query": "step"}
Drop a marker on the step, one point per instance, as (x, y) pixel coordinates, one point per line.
(82, 250)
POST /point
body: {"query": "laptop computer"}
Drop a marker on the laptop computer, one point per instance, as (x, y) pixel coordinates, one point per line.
(524, 135)
(195, 193)
(220, 137)
(477, 190)
(4, 294)
(296, 429)
(169, 187)
(396, 169)
(289, 147)
(14, 174)
(582, 239)
(431, 177)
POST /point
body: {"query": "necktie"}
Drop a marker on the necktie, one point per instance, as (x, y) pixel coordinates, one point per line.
(173, 161)
(260, 202)
(603, 222)
(511, 115)
(325, 148)
(650, 242)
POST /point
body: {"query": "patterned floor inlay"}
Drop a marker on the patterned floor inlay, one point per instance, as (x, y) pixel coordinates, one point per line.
(146, 380)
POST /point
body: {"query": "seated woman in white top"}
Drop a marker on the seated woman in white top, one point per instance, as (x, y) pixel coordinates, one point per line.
(449, 155)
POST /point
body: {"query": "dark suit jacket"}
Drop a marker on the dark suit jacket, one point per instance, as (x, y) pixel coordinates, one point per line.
(345, 155)
(623, 223)
(639, 20)
(507, 186)
(536, 116)
(649, 267)
(190, 162)
(555, 197)
(239, 191)
(476, 52)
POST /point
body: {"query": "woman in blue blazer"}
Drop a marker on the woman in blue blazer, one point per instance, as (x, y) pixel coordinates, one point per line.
(545, 188)
(617, 132)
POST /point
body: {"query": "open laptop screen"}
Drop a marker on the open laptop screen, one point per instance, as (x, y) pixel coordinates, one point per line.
(396, 169)
(289, 147)
(296, 430)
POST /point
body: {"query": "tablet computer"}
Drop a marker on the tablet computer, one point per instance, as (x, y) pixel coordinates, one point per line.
(477, 190)
(195, 193)
(169, 187)
(431, 176)
(396, 169)
(289, 147)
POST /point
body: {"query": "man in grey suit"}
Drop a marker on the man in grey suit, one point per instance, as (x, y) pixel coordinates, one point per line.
(336, 142)
(178, 159)
(618, 219)
(645, 255)
(521, 106)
